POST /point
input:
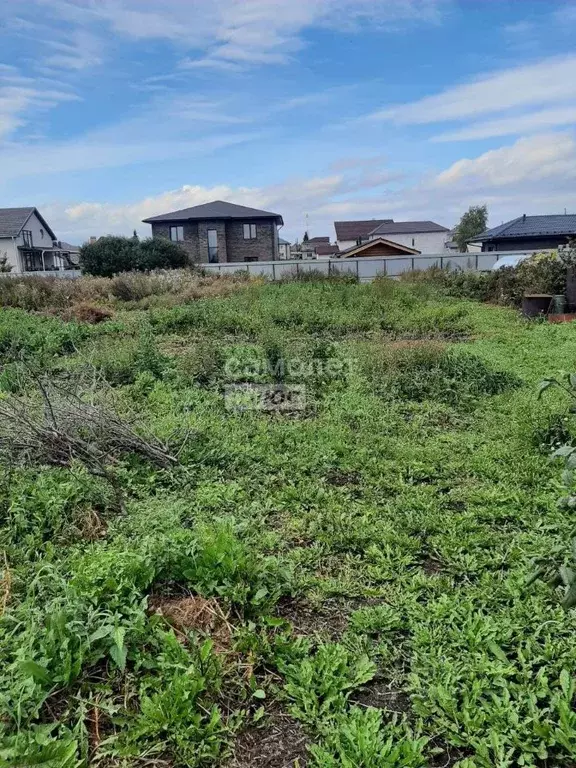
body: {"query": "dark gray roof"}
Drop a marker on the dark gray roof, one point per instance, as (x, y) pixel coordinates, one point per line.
(12, 221)
(407, 228)
(531, 226)
(283, 242)
(319, 240)
(218, 209)
(352, 230)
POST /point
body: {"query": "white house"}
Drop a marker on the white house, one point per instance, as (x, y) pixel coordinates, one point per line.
(283, 249)
(28, 244)
(423, 236)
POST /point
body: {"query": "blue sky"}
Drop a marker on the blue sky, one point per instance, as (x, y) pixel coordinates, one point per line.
(114, 110)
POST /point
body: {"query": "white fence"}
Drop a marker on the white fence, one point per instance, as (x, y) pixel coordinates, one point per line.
(63, 274)
(366, 268)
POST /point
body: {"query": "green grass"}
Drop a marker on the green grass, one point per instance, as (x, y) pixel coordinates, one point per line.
(358, 568)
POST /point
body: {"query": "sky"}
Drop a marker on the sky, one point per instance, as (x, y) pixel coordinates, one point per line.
(320, 110)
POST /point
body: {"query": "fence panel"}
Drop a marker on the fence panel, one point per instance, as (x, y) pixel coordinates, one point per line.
(368, 269)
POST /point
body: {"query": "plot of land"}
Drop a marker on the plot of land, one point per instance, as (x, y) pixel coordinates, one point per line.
(342, 583)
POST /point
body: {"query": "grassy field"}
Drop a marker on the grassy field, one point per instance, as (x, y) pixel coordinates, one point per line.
(340, 582)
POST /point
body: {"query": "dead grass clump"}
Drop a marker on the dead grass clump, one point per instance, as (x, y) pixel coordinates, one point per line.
(5, 585)
(195, 613)
(88, 313)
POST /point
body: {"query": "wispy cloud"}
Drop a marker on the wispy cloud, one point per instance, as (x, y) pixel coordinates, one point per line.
(22, 97)
(240, 32)
(81, 51)
(517, 125)
(552, 80)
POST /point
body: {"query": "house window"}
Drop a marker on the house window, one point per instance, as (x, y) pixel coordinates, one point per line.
(177, 234)
(42, 234)
(251, 258)
(413, 242)
(213, 246)
(27, 235)
(249, 231)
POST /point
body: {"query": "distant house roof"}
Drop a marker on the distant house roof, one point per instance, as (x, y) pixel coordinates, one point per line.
(283, 242)
(531, 226)
(365, 248)
(325, 249)
(407, 228)
(319, 240)
(69, 247)
(353, 230)
(219, 209)
(13, 220)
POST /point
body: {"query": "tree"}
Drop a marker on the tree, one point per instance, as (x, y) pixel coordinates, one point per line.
(472, 223)
(305, 238)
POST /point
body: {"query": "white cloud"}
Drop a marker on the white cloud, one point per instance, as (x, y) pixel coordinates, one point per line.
(519, 124)
(529, 160)
(552, 80)
(80, 51)
(239, 31)
(19, 100)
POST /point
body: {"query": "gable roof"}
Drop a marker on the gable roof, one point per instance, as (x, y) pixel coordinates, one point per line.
(218, 209)
(407, 228)
(281, 241)
(319, 240)
(13, 220)
(361, 250)
(531, 226)
(352, 230)
(325, 249)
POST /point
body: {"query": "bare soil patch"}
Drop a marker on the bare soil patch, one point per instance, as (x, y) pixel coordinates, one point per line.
(281, 743)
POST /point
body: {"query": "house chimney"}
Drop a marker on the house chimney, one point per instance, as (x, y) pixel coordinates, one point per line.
(92, 239)
(524, 217)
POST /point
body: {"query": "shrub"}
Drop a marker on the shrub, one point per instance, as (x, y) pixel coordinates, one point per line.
(110, 255)
(543, 273)
(160, 253)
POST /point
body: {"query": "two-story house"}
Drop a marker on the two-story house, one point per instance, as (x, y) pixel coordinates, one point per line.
(28, 243)
(221, 232)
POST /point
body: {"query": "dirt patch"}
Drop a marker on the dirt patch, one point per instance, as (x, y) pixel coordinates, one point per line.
(281, 743)
(338, 478)
(448, 757)
(383, 695)
(328, 620)
(432, 567)
(197, 614)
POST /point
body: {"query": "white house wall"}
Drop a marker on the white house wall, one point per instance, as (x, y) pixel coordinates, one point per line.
(425, 242)
(9, 250)
(40, 238)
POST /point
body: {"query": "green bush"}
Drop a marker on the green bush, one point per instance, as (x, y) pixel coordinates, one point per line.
(543, 273)
(111, 255)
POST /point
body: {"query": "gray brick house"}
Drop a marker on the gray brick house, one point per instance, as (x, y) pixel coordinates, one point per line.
(221, 232)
